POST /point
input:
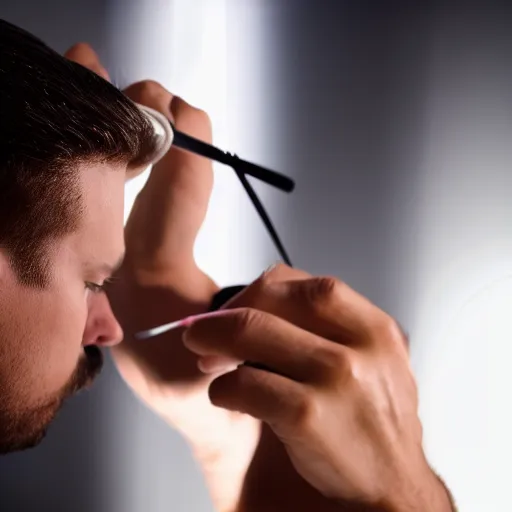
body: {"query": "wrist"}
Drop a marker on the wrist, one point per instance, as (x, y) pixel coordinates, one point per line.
(222, 477)
(224, 463)
(425, 494)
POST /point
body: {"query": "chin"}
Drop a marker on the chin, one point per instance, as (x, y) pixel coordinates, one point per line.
(23, 429)
(26, 430)
(22, 444)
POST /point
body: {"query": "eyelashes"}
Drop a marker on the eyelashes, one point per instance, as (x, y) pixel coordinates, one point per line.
(95, 287)
(98, 288)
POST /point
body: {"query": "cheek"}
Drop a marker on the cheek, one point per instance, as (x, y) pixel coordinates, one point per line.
(44, 339)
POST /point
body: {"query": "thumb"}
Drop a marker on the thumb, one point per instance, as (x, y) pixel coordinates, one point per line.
(172, 206)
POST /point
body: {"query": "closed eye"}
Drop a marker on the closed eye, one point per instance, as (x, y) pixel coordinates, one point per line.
(97, 288)
(94, 287)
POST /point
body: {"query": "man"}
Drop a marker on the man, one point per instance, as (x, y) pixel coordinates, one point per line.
(330, 425)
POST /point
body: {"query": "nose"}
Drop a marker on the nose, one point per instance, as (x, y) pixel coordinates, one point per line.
(102, 327)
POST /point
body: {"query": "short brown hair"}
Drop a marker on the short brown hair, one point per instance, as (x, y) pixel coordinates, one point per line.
(54, 115)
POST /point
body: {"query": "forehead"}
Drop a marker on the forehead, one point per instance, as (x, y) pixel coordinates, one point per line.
(100, 235)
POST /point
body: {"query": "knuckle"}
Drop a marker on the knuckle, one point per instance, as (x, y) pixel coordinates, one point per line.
(266, 279)
(277, 282)
(337, 364)
(257, 294)
(303, 413)
(150, 88)
(198, 118)
(322, 291)
(245, 320)
(390, 332)
(147, 92)
(280, 272)
(276, 272)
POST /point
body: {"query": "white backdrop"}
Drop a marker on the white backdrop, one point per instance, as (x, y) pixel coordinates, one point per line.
(397, 122)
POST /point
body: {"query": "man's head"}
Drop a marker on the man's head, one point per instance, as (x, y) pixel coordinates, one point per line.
(67, 138)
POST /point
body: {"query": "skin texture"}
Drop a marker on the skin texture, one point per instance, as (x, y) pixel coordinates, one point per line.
(346, 438)
(50, 336)
(339, 404)
(334, 426)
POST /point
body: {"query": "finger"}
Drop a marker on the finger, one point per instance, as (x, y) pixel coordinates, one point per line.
(266, 396)
(82, 53)
(278, 272)
(322, 305)
(325, 306)
(251, 335)
(281, 272)
(180, 185)
(217, 364)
